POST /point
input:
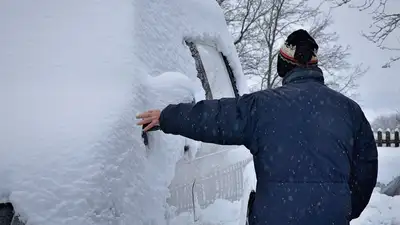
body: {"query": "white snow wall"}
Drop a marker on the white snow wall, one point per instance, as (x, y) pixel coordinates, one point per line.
(70, 152)
(73, 74)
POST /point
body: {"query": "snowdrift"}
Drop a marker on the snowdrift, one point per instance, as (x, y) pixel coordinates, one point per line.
(393, 188)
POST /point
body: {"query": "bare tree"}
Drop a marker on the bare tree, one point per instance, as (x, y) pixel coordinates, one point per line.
(241, 17)
(384, 26)
(260, 26)
(334, 58)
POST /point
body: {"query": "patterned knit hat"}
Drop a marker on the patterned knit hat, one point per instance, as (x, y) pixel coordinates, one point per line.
(299, 50)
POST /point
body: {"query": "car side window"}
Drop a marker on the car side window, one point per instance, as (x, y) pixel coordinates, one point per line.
(214, 71)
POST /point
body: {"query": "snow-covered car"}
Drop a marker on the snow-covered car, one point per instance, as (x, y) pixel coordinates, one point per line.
(73, 74)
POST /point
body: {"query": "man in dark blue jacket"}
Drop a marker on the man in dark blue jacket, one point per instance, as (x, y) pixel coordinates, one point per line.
(314, 151)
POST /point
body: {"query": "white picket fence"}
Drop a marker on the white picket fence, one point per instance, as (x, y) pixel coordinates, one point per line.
(226, 183)
(387, 138)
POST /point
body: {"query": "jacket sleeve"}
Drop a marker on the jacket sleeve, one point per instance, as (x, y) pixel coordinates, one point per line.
(364, 168)
(227, 121)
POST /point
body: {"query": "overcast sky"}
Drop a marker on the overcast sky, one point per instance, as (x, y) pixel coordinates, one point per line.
(379, 90)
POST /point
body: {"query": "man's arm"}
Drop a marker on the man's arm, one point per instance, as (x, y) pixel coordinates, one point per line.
(227, 121)
(365, 168)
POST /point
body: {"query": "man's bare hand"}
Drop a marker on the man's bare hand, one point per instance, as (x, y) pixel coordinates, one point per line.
(151, 117)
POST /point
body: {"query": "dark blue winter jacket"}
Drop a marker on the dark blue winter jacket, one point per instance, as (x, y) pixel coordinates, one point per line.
(314, 152)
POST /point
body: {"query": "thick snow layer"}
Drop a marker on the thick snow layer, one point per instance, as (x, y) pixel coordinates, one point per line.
(149, 200)
(163, 27)
(70, 152)
(109, 181)
(72, 77)
(114, 180)
(66, 91)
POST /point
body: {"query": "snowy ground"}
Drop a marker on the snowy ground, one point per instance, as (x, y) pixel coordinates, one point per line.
(389, 166)
(382, 209)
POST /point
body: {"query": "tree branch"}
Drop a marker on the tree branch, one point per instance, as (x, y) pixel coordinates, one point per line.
(384, 24)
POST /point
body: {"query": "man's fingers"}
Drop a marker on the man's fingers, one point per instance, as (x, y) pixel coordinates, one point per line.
(149, 117)
(145, 121)
(144, 115)
(151, 125)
